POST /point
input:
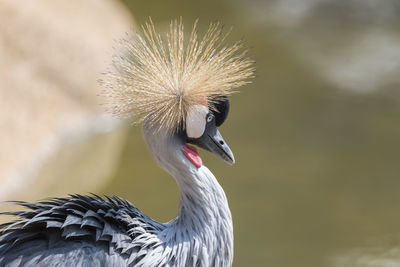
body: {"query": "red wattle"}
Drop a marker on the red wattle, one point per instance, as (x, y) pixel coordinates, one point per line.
(192, 155)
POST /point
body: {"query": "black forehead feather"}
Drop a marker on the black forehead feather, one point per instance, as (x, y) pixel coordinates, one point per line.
(222, 109)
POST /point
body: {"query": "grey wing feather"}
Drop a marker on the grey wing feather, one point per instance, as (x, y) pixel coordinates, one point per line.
(74, 231)
(62, 254)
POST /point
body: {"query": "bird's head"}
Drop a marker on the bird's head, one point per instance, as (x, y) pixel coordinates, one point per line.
(178, 85)
(201, 130)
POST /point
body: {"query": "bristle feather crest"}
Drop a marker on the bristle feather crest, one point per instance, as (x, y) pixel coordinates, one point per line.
(158, 80)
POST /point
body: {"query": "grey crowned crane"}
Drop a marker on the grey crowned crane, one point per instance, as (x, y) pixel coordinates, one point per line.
(178, 89)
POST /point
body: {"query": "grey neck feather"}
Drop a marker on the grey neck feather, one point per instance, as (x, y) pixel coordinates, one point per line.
(202, 233)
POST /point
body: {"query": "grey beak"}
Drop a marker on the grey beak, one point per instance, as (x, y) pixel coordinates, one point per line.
(212, 141)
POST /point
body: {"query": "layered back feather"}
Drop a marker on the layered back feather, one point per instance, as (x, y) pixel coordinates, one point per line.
(158, 78)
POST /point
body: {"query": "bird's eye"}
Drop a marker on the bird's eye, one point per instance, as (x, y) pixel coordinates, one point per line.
(210, 117)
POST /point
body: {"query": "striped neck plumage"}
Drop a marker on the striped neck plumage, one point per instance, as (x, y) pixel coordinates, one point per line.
(204, 223)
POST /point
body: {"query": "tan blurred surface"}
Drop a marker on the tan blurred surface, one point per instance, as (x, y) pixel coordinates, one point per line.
(51, 55)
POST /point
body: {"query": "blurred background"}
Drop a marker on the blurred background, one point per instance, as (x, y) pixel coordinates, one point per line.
(316, 136)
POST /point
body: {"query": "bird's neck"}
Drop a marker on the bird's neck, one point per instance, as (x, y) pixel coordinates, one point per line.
(204, 220)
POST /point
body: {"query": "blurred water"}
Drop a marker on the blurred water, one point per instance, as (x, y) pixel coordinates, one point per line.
(316, 181)
(353, 44)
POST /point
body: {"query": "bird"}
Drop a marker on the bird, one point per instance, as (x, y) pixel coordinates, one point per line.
(177, 87)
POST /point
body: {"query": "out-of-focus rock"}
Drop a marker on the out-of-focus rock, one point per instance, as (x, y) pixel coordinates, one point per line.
(51, 55)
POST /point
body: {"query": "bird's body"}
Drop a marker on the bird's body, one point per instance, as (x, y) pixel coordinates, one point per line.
(180, 94)
(89, 231)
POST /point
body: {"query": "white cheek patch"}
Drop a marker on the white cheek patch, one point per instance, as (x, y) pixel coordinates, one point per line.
(196, 121)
